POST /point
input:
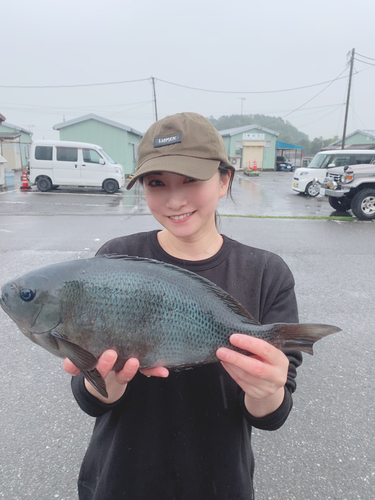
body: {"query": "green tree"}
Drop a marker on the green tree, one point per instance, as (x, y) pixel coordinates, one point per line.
(288, 133)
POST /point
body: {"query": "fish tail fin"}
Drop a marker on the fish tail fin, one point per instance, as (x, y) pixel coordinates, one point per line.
(302, 336)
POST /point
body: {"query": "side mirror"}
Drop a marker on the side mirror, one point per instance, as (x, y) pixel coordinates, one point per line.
(101, 161)
(331, 165)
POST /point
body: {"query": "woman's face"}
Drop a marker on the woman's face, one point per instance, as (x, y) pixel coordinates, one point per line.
(184, 206)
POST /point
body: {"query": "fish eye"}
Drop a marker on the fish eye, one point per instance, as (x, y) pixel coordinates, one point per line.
(26, 294)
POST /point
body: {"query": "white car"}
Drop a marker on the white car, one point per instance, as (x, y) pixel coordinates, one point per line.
(65, 163)
(303, 179)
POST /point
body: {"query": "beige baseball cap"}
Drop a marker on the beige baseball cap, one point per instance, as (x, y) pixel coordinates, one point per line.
(185, 143)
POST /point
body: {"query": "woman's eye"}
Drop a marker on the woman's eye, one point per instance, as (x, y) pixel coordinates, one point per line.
(190, 179)
(27, 294)
(155, 182)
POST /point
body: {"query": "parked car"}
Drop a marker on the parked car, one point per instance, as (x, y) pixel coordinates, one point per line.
(64, 163)
(283, 165)
(351, 188)
(303, 179)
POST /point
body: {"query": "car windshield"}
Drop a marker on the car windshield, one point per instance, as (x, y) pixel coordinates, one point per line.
(319, 161)
(106, 155)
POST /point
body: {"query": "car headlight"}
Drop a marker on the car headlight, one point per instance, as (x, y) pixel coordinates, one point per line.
(118, 170)
(331, 184)
(303, 173)
(347, 177)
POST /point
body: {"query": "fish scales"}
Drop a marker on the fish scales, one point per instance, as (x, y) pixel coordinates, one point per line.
(131, 307)
(161, 314)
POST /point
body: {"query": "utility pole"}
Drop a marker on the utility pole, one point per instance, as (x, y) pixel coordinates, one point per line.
(242, 100)
(156, 109)
(347, 99)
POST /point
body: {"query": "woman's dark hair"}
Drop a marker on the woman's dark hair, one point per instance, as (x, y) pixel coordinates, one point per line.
(224, 169)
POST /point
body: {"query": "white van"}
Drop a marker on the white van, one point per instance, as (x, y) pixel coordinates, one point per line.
(324, 160)
(65, 163)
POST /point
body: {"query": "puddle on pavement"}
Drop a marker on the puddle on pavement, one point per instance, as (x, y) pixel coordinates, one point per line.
(126, 200)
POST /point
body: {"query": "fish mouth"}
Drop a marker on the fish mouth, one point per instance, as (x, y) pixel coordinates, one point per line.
(26, 328)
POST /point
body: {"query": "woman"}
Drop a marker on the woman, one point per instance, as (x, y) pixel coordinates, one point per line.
(187, 435)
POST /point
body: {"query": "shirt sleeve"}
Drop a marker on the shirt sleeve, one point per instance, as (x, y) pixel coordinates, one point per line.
(89, 403)
(278, 305)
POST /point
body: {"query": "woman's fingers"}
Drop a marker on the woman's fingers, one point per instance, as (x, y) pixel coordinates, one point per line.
(106, 363)
(128, 371)
(259, 375)
(104, 366)
(70, 368)
(158, 371)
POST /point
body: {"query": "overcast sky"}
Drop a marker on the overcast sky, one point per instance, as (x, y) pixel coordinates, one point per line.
(233, 46)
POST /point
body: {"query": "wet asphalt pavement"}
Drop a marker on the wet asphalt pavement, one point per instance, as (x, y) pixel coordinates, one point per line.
(269, 194)
(326, 448)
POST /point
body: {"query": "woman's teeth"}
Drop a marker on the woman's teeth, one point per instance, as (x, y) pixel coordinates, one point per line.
(179, 217)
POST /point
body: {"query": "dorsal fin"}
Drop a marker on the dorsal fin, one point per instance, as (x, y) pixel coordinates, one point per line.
(230, 301)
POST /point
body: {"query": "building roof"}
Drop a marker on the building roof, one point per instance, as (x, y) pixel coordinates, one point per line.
(286, 145)
(8, 136)
(349, 146)
(15, 127)
(92, 116)
(245, 128)
(368, 133)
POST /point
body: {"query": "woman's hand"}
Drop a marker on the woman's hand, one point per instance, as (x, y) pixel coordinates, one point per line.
(262, 376)
(116, 382)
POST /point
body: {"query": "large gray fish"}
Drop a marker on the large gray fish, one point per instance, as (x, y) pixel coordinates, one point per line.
(161, 314)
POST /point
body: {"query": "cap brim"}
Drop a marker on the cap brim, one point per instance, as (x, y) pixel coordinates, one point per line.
(197, 168)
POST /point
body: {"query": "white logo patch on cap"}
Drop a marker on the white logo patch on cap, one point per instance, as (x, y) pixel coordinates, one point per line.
(166, 141)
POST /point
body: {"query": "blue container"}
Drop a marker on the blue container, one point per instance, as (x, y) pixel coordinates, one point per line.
(9, 177)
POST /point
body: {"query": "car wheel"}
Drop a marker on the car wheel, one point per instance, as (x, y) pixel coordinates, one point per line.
(110, 186)
(363, 204)
(44, 184)
(340, 204)
(312, 189)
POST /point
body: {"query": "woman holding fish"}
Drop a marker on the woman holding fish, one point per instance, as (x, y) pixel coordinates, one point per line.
(186, 434)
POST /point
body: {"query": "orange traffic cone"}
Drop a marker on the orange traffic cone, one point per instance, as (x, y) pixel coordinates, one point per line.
(25, 184)
(255, 168)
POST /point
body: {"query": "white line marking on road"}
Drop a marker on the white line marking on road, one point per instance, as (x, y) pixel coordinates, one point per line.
(7, 191)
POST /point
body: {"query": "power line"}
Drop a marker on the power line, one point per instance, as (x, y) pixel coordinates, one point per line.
(359, 118)
(299, 107)
(249, 92)
(70, 86)
(372, 59)
(79, 108)
(364, 62)
(325, 116)
(169, 83)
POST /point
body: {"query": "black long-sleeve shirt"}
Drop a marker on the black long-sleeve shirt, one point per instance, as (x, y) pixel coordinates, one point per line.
(188, 436)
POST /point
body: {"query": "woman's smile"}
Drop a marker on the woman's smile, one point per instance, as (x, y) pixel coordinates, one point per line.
(181, 217)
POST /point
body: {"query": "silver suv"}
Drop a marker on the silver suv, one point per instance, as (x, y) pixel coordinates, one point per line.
(352, 187)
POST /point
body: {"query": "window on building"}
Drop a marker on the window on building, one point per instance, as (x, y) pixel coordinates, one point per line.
(66, 154)
(135, 152)
(43, 153)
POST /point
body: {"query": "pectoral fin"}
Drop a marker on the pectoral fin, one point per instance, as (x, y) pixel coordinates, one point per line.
(83, 360)
(97, 381)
